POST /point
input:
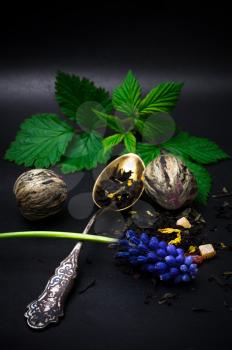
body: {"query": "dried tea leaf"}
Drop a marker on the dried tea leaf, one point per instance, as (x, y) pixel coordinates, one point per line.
(167, 298)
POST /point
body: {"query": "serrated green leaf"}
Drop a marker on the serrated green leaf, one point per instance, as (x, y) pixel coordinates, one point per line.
(130, 142)
(72, 92)
(201, 150)
(156, 128)
(112, 140)
(83, 153)
(162, 98)
(40, 142)
(112, 121)
(126, 98)
(87, 119)
(108, 144)
(147, 152)
(203, 179)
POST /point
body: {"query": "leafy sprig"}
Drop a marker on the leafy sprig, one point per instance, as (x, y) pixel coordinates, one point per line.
(45, 139)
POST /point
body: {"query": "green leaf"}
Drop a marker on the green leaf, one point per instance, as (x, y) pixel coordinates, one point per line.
(162, 98)
(72, 92)
(130, 142)
(87, 119)
(203, 179)
(111, 121)
(112, 140)
(126, 97)
(41, 141)
(108, 144)
(156, 128)
(83, 153)
(201, 150)
(147, 152)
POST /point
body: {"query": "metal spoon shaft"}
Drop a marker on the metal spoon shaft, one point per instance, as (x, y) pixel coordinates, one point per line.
(50, 304)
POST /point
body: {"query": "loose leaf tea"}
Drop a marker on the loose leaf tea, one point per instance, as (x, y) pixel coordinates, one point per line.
(119, 190)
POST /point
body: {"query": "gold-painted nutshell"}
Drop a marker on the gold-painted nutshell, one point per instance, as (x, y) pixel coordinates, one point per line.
(40, 193)
(169, 182)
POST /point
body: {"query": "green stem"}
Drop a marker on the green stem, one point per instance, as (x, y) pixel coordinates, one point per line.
(56, 234)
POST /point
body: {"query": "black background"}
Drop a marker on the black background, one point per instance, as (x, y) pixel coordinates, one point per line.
(164, 42)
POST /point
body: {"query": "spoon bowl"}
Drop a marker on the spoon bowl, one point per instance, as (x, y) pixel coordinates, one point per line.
(127, 163)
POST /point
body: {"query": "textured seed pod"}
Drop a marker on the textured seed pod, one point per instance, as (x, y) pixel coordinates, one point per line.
(169, 182)
(40, 193)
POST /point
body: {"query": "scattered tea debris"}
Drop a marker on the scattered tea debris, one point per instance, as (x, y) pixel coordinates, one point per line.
(223, 194)
(218, 281)
(200, 309)
(227, 274)
(224, 211)
(224, 190)
(144, 218)
(192, 249)
(167, 299)
(88, 286)
(222, 245)
(119, 191)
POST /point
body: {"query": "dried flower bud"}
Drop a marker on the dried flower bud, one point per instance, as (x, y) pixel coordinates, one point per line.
(40, 193)
(169, 182)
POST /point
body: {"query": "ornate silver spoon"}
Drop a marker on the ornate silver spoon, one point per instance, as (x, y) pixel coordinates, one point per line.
(49, 306)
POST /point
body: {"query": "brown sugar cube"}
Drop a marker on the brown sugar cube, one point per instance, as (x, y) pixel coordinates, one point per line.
(207, 251)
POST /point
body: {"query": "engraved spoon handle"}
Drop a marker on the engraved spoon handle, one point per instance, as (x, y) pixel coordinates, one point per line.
(50, 304)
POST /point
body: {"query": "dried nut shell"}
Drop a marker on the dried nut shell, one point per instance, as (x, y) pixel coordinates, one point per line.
(169, 182)
(183, 222)
(40, 193)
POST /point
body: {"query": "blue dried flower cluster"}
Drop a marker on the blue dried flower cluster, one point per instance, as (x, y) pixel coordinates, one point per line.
(157, 257)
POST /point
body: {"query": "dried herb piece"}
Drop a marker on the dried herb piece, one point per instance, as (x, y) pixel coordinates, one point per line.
(224, 211)
(227, 274)
(223, 194)
(221, 283)
(119, 191)
(167, 298)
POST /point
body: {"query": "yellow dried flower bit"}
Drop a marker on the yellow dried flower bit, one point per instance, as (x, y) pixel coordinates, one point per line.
(177, 240)
(129, 182)
(223, 246)
(110, 195)
(169, 230)
(192, 249)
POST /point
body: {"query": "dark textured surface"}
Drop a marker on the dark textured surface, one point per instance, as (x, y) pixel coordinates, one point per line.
(162, 44)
